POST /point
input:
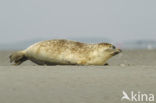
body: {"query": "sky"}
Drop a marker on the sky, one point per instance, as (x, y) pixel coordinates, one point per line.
(117, 20)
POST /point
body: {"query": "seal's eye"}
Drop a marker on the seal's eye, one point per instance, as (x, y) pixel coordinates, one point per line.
(113, 47)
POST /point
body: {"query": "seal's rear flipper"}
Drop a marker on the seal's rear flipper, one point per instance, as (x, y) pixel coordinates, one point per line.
(17, 57)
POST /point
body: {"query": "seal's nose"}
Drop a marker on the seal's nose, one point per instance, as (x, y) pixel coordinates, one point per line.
(119, 50)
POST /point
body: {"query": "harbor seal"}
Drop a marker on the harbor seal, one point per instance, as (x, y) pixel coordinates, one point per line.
(65, 52)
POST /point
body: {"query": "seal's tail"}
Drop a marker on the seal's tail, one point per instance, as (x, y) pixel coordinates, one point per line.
(17, 57)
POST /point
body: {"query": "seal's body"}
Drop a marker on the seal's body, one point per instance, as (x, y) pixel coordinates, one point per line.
(65, 52)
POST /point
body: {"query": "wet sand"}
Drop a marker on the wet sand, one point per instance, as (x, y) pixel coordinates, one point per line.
(29, 83)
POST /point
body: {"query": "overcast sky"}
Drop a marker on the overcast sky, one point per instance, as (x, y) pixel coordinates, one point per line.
(118, 20)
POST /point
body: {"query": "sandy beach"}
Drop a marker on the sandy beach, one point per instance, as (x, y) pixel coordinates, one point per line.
(132, 70)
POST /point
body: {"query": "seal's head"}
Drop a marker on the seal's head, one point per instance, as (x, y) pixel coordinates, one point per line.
(108, 50)
(111, 49)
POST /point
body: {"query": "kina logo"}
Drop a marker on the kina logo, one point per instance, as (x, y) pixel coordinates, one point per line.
(137, 97)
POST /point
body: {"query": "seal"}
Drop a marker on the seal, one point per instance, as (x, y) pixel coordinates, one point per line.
(65, 52)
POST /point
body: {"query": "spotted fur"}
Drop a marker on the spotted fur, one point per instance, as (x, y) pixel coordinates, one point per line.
(66, 52)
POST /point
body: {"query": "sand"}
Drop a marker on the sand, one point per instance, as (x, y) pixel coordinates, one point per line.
(29, 83)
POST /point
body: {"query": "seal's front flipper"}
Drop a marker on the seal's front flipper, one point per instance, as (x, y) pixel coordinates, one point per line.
(106, 64)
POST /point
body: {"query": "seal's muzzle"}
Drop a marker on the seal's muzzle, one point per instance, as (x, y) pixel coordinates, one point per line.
(117, 51)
